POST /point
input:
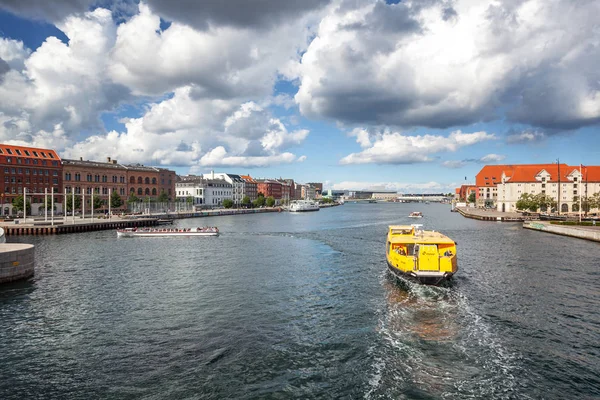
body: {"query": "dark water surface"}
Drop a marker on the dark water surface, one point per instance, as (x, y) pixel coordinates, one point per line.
(300, 306)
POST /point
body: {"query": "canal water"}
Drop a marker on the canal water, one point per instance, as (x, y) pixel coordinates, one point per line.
(301, 306)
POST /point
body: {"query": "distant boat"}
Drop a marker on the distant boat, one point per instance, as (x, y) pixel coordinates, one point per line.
(372, 201)
(415, 214)
(163, 232)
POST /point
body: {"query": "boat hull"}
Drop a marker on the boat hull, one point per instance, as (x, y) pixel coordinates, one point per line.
(432, 278)
(161, 233)
(304, 210)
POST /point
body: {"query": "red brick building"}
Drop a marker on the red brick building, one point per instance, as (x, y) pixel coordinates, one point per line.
(269, 188)
(30, 170)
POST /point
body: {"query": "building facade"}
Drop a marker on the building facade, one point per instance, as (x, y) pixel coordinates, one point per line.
(250, 187)
(82, 178)
(237, 183)
(270, 188)
(501, 186)
(31, 172)
(191, 186)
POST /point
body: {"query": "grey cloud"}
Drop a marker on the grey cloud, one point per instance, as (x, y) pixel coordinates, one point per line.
(395, 18)
(241, 13)
(449, 13)
(54, 10)
(4, 68)
(184, 147)
(525, 136)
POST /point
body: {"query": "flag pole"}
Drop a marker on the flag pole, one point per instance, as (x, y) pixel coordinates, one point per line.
(579, 191)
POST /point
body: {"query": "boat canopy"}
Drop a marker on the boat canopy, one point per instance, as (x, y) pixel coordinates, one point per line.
(415, 234)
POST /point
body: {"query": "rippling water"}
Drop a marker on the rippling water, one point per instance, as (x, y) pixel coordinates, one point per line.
(301, 306)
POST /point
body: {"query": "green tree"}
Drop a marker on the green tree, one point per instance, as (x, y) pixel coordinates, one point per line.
(98, 202)
(115, 199)
(133, 198)
(527, 202)
(544, 201)
(594, 201)
(189, 199)
(259, 202)
(227, 203)
(260, 194)
(69, 202)
(163, 197)
(270, 201)
(246, 202)
(472, 198)
(18, 203)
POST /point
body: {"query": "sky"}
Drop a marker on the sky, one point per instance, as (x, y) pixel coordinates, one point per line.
(414, 96)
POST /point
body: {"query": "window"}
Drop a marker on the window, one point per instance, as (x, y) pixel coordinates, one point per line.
(13, 171)
(122, 179)
(35, 161)
(55, 163)
(27, 153)
(9, 151)
(46, 172)
(96, 178)
(44, 162)
(140, 180)
(68, 176)
(89, 177)
(140, 192)
(114, 179)
(574, 186)
(27, 161)
(575, 179)
(147, 181)
(154, 181)
(43, 154)
(8, 159)
(35, 154)
(574, 191)
(147, 191)
(77, 177)
(51, 155)
(18, 152)
(104, 190)
(19, 160)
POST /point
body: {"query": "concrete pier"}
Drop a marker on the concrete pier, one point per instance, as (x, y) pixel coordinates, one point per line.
(491, 215)
(581, 232)
(16, 261)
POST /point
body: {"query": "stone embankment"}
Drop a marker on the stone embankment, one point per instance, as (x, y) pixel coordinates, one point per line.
(491, 215)
(16, 260)
(77, 225)
(581, 232)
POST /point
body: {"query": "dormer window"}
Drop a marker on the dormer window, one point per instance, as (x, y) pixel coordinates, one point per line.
(9, 151)
(35, 153)
(18, 152)
(575, 179)
(27, 153)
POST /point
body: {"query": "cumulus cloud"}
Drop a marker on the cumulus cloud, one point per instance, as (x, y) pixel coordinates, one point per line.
(443, 67)
(454, 164)
(487, 159)
(526, 136)
(221, 62)
(491, 158)
(396, 148)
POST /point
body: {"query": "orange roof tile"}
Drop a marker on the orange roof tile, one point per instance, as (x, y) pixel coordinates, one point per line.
(30, 152)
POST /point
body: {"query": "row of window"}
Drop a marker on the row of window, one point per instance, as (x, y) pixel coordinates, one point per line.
(120, 179)
(19, 189)
(34, 161)
(29, 171)
(18, 179)
(88, 190)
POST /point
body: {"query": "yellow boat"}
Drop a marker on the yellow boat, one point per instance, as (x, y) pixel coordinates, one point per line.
(428, 256)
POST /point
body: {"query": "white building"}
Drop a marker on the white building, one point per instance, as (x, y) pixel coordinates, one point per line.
(501, 186)
(190, 186)
(237, 185)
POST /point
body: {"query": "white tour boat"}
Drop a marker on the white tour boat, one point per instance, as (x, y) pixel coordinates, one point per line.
(303, 206)
(416, 214)
(164, 232)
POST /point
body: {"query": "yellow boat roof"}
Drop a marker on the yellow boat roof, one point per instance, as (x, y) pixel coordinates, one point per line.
(406, 234)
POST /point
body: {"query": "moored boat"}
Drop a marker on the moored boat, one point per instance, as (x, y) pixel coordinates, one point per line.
(415, 214)
(166, 232)
(303, 206)
(427, 256)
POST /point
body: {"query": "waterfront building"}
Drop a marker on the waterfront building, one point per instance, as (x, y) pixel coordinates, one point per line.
(308, 192)
(334, 194)
(216, 191)
(501, 186)
(250, 187)
(318, 188)
(237, 183)
(384, 195)
(287, 190)
(464, 191)
(82, 178)
(269, 188)
(30, 171)
(191, 186)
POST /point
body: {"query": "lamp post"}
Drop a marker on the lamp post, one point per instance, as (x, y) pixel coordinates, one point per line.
(559, 189)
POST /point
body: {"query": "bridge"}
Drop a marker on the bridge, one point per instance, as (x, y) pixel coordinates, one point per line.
(422, 197)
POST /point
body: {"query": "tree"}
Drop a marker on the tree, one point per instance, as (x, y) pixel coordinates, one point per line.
(69, 202)
(163, 197)
(259, 202)
(527, 202)
(594, 201)
(133, 198)
(98, 202)
(270, 201)
(189, 199)
(115, 199)
(544, 201)
(260, 194)
(227, 203)
(472, 198)
(246, 202)
(18, 203)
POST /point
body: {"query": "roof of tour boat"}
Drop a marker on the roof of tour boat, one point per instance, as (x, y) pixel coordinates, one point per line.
(406, 234)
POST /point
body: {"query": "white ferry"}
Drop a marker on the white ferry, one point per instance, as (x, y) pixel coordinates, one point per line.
(303, 206)
(164, 232)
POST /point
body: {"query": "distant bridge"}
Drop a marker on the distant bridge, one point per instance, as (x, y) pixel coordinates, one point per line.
(417, 197)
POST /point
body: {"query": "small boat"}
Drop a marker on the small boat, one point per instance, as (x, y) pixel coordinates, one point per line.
(165, 221)
(303, 206)
(415, 214)
(164, 232)
(427, 256)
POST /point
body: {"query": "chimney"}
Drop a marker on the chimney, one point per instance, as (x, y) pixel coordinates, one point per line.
(212, 174)
(80, 158)
(114, 161)
(108, 160)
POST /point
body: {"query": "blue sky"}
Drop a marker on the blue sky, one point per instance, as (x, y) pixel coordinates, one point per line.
(411, 95)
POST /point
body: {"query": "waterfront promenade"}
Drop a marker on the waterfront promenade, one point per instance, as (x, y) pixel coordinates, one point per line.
(491, 214)
(581, 232)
